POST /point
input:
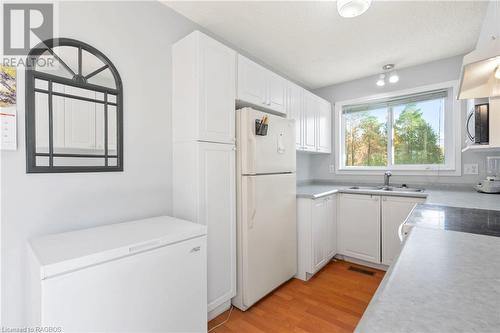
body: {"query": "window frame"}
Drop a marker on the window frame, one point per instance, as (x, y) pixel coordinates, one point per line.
(452, 126)
(78, 81)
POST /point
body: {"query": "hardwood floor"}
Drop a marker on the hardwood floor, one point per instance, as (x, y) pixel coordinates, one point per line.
(332, 301)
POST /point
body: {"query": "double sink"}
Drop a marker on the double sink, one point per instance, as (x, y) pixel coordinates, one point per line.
(387, 188)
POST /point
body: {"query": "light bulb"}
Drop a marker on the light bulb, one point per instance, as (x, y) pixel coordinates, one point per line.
(393, 77)
(381, 80)
(497, 73)
(352, 8)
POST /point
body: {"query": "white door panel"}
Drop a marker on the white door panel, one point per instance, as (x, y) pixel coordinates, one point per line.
(295, 112)
(319, 232)
(217, 91)
(359, 226)
(323, 126)
(310, 112)
(276, 99)
(218, 213)
(251, 82)
(331, 234)
(394, 212)
(269, 233)
(272, 153)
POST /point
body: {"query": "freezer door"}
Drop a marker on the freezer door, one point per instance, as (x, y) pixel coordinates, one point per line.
(273, 152)
(268, 234)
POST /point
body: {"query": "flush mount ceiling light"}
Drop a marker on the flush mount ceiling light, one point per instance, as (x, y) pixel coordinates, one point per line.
(352, 8)
(388, 72)
(381, 80)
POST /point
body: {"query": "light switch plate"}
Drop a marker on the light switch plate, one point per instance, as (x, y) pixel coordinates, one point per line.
(471, 169)
(331, 168)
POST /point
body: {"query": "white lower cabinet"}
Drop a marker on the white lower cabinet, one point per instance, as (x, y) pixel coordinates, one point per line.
(395, 210)
(317, 230)
(368, 226)
(359, 226)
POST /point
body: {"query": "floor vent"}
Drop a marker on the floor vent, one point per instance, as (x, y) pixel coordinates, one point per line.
(361, 270)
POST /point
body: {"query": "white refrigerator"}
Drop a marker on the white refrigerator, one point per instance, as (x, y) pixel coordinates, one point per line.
(266, 206)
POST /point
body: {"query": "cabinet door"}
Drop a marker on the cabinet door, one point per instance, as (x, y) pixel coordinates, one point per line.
(252, 87)
(276, 99)
(331, 222)
(323, 123)
(294, 111)
(217, 211)
(217, 91)
(310, 110)
(395, 210)
(359, 226)
(319, 216)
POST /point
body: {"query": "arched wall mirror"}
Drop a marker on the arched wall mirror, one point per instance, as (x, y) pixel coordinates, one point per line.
(74, 109)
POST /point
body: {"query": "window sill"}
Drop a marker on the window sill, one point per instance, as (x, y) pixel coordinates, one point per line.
(399, 172)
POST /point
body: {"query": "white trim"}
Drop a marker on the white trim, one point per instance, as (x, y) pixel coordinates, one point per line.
(453, 156)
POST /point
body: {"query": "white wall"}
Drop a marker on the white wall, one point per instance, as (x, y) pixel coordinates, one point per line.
(426, 74)
(137, 37)
(303, 167)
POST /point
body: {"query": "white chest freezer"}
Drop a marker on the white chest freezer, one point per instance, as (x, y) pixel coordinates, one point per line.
(142, 276)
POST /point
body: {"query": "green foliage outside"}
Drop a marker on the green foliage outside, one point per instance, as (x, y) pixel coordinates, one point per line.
(415, 141)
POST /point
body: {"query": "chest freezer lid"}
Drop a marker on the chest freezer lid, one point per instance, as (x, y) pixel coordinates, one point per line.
(69, 251)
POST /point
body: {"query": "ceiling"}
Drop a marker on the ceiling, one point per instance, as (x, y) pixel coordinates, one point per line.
(310, 43)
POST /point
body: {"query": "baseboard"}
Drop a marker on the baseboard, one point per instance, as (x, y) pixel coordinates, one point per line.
(218, 310)
(362, 262)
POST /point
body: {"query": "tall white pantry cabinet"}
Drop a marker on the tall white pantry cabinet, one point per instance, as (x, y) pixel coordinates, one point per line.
(203, 123)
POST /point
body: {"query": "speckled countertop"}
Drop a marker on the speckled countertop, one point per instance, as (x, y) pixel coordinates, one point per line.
(448, 196)
(442, 281)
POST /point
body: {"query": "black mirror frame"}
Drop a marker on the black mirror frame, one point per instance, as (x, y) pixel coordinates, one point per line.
(78, 81)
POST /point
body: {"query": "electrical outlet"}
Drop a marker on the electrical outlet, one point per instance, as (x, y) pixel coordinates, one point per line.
(471, 169)
(331, 168)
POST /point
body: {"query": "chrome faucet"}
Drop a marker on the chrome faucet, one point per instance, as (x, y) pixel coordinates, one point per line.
(387, 175)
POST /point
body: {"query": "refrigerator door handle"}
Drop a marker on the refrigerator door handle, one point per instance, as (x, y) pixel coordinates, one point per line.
(251, 154)
(251, 202)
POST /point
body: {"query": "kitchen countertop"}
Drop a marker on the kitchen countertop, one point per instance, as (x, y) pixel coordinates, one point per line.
(442, 281)
(448, 196)
(475, 221)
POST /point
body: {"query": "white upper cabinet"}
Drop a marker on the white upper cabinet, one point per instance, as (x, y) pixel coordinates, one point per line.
(294, 110)
(313, 118)
(260, 87)
(310, 116)
(276, 98)
(204, 90)
(323, 127)
(251, 82)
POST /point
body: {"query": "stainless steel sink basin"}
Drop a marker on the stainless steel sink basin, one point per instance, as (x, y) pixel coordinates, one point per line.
(408, 189)
(370, 188)
(387, 188)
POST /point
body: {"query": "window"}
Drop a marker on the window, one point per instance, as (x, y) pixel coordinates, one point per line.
(405, 132)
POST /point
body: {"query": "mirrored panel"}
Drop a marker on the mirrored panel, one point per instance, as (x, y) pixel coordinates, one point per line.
(74, 122)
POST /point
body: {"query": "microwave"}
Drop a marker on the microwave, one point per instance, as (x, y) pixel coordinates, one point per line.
(478, 130)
